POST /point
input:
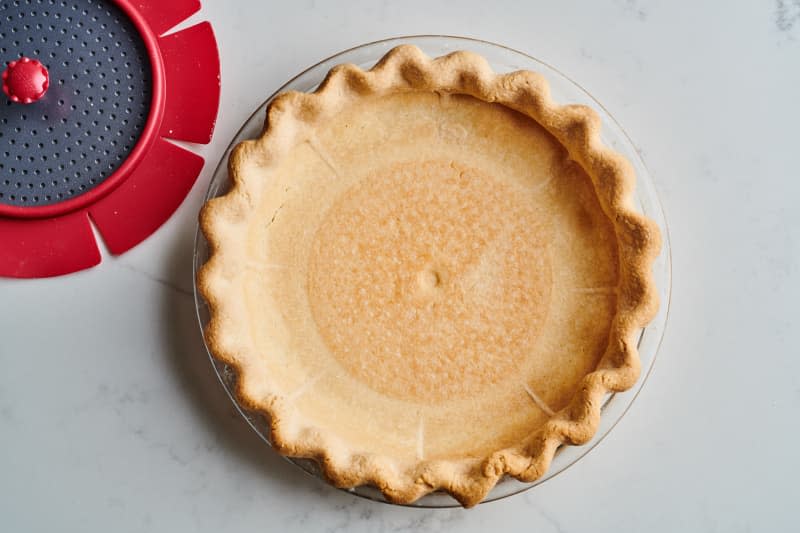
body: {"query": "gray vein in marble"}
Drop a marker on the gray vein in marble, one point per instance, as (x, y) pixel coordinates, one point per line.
(549, 518)
(165, 282)
(173, 454)
(587, 54)
(124, 402)
(787, 15)
(7, 414)
(355, 514)
(633, 7)
(705, 168)
(113, 502)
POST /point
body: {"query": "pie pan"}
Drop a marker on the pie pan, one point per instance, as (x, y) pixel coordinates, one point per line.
(564, 91)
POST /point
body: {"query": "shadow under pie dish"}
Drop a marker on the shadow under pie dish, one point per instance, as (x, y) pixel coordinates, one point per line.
(428, 275)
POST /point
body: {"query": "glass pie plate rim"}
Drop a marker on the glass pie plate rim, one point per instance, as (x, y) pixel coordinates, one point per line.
(564, 90)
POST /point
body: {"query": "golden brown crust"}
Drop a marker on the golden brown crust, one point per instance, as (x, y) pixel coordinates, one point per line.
(577, 128)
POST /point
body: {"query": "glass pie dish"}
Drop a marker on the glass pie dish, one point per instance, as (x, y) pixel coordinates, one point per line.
(563, 91)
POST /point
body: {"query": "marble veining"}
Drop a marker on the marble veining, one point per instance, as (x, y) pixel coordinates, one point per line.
(634, 8)
(787, 15)
(160, 280)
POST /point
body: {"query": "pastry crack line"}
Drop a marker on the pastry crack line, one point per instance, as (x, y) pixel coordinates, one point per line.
(538, 401)
(259, 266)
(305, 387)
(323, 154)
(275, 214)
(421, 440)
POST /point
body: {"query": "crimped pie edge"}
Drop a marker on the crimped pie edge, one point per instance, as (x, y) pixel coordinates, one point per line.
(577, 128)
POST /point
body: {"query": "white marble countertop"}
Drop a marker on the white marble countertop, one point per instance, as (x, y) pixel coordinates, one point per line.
(111, 417)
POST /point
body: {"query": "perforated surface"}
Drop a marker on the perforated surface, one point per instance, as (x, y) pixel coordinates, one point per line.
(97, 105)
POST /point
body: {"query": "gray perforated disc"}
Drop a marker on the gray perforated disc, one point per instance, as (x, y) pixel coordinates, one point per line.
(72, 139)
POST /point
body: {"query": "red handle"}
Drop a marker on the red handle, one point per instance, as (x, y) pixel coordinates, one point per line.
(25, 80)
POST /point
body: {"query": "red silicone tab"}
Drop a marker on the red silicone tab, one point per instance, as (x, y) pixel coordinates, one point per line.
(161, 15)
(135, 209)
(40, 248)
(191, 65)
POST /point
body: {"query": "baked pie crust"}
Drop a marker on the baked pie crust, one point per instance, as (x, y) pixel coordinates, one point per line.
(428, 275)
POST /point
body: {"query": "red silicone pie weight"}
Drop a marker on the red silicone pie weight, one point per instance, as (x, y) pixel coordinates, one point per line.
(94, 92)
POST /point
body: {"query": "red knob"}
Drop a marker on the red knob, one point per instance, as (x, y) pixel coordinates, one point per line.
(25, 80)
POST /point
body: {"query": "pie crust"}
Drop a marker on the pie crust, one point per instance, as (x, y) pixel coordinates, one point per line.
(428, 275)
